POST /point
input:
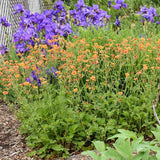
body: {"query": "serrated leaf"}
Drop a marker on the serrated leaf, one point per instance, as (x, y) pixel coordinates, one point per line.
(124, 134)
(136, 143)
(124, 148)
(111, 153)
(100, 146)
(58, 147)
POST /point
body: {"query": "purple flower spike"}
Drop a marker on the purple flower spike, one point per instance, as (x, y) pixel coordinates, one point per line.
(4, 22)
(3, 49)
(109, 4)
(38, 82)
(117, 22)
(19, 8)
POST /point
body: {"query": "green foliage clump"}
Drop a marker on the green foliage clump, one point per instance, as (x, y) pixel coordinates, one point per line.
(125, 149)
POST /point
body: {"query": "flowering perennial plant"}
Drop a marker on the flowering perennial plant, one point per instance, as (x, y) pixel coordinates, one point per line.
(119, 4)
(86, 16)
(148, 14)
(53, 22)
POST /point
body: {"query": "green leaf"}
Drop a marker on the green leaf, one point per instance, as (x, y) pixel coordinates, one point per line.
(136, 143)
(124, 134)
(158, 155)
(111, 153)
(124, 148)
(100, 146)
(58, 147)
(138, 156)
(32, 153)
(157, 133)
(92, 154)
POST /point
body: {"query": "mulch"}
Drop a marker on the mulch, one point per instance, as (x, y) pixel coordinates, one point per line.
(12, 143)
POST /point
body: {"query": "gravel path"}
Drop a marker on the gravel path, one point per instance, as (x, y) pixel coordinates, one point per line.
(12, 144)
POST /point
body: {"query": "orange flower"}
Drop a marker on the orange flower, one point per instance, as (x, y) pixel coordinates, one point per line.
(26, 83)
(120, 93)
(145, 67)
(127, 75)
(105, 83)
(5, 92)
(18, 98)
(75, 90)
(34, 86)
(86, 102)
(93, 78)
(74, 73)
(17, 76)
(58, 72)
(139, 72)
(125, 51)
(44, 82)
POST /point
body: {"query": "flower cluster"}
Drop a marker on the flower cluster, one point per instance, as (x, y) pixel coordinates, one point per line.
(119, 4)
(4, 22)
(3, 49)
(49, 23)
(49, 75)
(54, 22)
(86, 16)
(148, 14)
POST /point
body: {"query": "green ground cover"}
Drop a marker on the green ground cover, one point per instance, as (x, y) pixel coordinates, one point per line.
(82, 75)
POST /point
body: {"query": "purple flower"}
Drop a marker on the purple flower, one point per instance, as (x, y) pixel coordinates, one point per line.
(3, 49)
(20, 47)
(109, 4)
(28, 79)
(148, 14)
(19, 8)
(4, 22)
(117, 22)
(33, 75)
(80, 4)
(152, 11)
(143, 10)
(119, 4)
(38, 82)
(68, 3)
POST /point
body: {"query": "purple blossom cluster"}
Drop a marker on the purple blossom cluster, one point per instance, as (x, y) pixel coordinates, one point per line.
(50, 74)
(86, 16)
(4, 22)
(148, 14)
(119, 4)
(43, 26)
(3, 49)
(54, 22)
